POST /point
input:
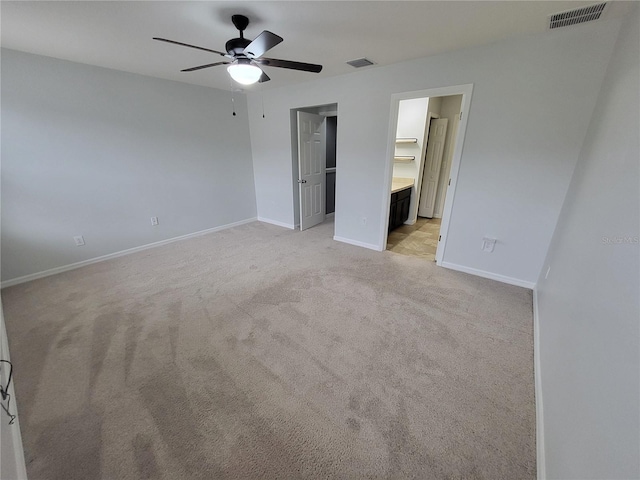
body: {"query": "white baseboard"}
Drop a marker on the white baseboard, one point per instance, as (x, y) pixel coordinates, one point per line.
(102, 258)
(493, 276)
(357, 243)
(16, 468)
(290, 226)
(541, 465)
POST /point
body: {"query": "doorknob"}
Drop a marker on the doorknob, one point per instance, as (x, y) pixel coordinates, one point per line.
(302, 181)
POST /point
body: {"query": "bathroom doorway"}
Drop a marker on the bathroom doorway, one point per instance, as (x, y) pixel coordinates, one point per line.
(426, 138)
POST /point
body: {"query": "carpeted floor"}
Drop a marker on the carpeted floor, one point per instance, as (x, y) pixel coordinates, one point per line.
(259, 352)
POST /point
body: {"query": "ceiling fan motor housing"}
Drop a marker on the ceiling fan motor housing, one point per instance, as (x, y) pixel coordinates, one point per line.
(236, 46)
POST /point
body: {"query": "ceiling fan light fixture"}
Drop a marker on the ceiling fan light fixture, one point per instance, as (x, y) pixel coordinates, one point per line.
(245, 74)
(245, 53)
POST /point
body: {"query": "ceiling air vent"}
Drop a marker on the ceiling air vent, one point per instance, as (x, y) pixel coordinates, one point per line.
(360, 62)
(577, 15)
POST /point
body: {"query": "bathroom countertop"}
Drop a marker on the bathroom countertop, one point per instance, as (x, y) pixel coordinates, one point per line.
(398, 183)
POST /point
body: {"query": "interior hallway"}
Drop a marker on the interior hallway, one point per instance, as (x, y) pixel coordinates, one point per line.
(417, 240)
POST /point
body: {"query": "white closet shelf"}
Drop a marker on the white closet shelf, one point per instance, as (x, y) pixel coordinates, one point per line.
(404, 158)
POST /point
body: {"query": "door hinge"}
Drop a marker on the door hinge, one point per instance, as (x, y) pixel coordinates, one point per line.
(460, 115)
(439, 237)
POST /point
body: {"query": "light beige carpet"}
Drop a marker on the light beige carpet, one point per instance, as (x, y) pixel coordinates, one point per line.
(259, 352)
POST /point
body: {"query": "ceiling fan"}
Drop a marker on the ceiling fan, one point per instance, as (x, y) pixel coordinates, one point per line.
(246, 55)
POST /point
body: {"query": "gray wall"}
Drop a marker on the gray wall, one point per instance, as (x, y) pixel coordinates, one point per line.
(588, 309)
(532, 101)
(97, 152)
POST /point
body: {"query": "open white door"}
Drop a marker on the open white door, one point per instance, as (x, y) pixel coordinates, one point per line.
(311, 168)
(432, 165)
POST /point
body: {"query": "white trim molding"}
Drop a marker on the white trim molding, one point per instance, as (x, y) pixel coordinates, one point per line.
(290, 226)
(541, 465)
(357, 243)
(493, 276)
(102, 258)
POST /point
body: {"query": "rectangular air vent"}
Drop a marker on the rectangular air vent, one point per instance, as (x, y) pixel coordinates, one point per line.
(577, 15)
(360, 62)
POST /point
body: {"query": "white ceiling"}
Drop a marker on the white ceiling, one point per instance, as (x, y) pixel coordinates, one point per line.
(118, 35)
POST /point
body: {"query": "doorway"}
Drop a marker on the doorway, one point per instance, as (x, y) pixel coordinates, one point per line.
(418, 235)
(314, 167)
(426, 135)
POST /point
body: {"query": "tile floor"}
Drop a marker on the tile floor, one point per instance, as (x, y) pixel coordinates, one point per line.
(417, 240)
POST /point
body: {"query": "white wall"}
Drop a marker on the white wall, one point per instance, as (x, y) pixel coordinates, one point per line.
(451, 107)
(412, 118)
(588, 310)
(435, 105)
(97, 152)
(532, 100)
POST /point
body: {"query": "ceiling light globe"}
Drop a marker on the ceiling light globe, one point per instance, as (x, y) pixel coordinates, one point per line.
(244, 74)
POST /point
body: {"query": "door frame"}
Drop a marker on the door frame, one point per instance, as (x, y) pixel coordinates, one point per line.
(326, 110)
(466, 92)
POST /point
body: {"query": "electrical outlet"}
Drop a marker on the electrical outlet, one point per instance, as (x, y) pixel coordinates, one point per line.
(488, 244)
(79, 240)
(154, 221)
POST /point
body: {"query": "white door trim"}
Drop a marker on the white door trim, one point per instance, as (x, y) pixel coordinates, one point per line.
(465, 91)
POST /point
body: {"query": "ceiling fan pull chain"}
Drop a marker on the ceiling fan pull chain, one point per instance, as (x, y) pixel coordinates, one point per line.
(262, 99)
(233, 102)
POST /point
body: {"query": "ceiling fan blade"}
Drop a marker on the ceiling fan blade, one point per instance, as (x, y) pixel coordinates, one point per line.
(264, 78)
(190, 46)
(274, 62)
(204, 66)
(263, 42)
